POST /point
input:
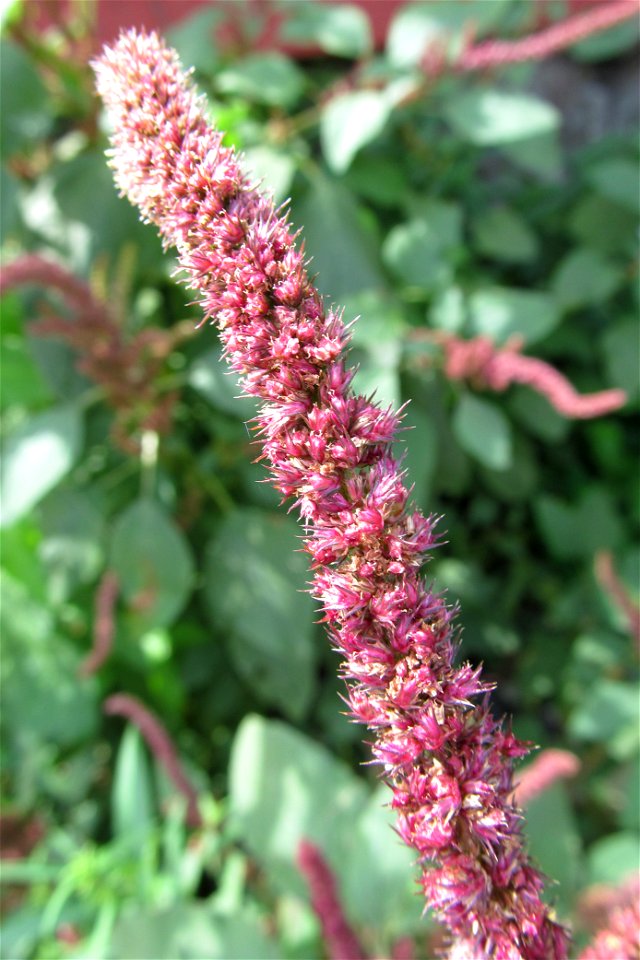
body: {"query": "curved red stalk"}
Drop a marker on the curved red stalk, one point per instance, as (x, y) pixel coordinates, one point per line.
(339, 938)
(160, 744)
(578, 26)
(103, 625)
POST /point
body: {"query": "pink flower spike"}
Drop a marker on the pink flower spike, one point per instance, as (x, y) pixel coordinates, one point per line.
(447, 760)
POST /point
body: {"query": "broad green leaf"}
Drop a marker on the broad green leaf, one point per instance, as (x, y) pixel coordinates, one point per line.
(491, 117)
(284, 787)
(9, 208)
(537, 415)
(72, 541)
(604, 225)
(378, 179)
(350, 121)
(502, 312)
(342, 254)
(41, 692)
(269, 78)
(376, 337)
(378, 878)
(274, 169)
(190, 931)
(584, 277)
(614, 859)
(540, 155)
(503, 234)
(153, 563)
(610, 715)
(621, 344)
(22, 383)
(418, 25)
(483, 431)
(449, 310)
(254, 589)
(554, 841)
(132, 804)
(209, 375)
(194, 39)
(26, 115)
(617, 179)
(579, 529)
(419, 251)
(520, 479)
(36, 456)
(342, 30)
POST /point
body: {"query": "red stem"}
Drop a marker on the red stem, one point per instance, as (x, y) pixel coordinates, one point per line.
(104, 626)
(557, 37)
(160, 744)
(339, 938)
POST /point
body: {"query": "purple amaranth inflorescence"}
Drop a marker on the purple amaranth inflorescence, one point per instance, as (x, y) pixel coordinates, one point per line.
(448, 761)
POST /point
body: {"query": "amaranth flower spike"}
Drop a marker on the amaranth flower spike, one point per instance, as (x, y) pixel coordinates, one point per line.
(448, 761)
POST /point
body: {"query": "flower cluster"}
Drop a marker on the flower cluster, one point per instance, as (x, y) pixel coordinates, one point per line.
(447, 760)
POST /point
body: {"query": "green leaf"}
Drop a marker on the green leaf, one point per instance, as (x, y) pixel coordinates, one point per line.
(153, 562)
(576, 530)
(343, 30)
(584, 277)
(190, 931)
(341, 252)
(604, 225)
(72, 535)
(502, 312)
(274, 169)
(610, 715)
(556, 850)
(614, 859)
(539, 155)
(491, 117)
(254, 590)
(503, 234)
(419, 25)
(132, 804)
(449, 310)
(22, 383)
(377, 881)
(376, 337)
(26, 116)
(617, 179)
(621, 344)
(537, 415)
(483, 431)
(269, 78)
(194, 39)
(350, 121)
(283, 787)
(40, 689)
(419, 251)
(36, 456)
(209, 375)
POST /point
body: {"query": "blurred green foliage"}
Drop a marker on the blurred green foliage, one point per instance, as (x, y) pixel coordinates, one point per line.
(463, 208)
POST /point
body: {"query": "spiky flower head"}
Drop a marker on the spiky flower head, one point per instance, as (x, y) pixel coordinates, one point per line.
(448, 761)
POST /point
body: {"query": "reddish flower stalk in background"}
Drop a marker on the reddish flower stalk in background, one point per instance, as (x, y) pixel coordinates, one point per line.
(620, 939)
(479, 360)
(548, 767)
(160, 744)
(448, 762)
(103, 625)
(127, 368)
(612, 585)
(578, 26)
(340, 940)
